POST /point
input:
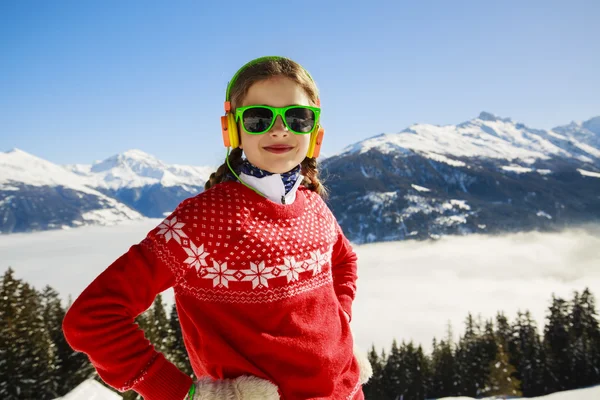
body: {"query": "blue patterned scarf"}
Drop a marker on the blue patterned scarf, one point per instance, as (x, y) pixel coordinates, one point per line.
(289, 178)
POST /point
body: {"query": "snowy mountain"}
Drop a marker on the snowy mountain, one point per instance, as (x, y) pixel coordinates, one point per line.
(134, 168)
(488, 174)
(143, 182)
(488, 137)
(36, 194)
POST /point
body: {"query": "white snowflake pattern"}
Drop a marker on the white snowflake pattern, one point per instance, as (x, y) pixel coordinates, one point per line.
(196, 256)
(220, 274)
(258, 274)
(317, 261)
(172, 229)
(291, 268)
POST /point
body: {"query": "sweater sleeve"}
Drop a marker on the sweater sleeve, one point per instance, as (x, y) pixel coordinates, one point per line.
(344, 270)
(100, 323)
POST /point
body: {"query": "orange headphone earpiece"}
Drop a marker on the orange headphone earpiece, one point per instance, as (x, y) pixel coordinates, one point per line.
(229, 128)
(316, 138)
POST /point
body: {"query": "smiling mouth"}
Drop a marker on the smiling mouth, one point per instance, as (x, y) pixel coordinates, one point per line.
(278, 149)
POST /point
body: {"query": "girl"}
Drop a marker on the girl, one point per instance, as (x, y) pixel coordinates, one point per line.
(263, 276)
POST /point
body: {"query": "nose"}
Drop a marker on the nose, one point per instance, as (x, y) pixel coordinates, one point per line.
(279, 127)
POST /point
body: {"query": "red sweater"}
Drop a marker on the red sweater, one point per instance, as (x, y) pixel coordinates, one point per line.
(260, 288)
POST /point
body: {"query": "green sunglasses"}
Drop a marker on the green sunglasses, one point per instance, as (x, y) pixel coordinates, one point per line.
(259, 119)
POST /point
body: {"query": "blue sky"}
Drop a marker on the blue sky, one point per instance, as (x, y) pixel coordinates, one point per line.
(83, 80)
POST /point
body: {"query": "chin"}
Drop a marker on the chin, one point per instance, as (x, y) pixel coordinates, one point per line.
(281, 168)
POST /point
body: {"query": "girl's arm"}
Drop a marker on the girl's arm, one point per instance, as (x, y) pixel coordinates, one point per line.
(100, 323)
(344, 270)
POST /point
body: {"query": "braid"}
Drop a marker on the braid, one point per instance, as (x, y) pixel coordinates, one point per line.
(311, 177)
(235, 160)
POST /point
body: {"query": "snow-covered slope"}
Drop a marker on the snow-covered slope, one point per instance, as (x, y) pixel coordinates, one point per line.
(587, 132)
(17, 166)
(592, 393)
(91, 390)
(134, 168)
(488, 136)
(488, 174)
(38, 194)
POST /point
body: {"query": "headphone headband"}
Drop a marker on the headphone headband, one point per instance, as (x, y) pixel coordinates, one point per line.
(251, 63)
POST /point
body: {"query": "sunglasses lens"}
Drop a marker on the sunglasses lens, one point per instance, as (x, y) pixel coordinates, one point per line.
(301, 120)
(257, 120)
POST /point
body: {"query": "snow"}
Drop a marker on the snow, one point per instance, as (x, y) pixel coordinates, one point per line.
(516, 168)
(589, 173)
(19, 167)
(543, 214)
(462, 204)
(380, 198)
(591, 393)
(444, 159)
(130, 169)
(91, 390)
(420, 204)
(135, 168)
(484, 137)
(420, 188)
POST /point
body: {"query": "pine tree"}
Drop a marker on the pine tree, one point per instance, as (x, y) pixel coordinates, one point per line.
(556, 341)
(176, 351)
(584, 339)
(470, 359)
(9, 352)
(488, 345)
(503, 331)
(157, 331)
(33, 376)
(501, 380)
(394, 378)
(373, 389)
(420, 379)
(71, 367)
(443, 370)
(531, 367)
(52, 315)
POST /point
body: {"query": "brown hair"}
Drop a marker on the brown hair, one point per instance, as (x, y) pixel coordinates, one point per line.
(259, 71)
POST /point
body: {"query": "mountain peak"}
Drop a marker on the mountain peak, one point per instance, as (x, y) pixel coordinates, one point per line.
(15, 150)
(592, 125)
(487, 116)
(133, 159)
(137, 154)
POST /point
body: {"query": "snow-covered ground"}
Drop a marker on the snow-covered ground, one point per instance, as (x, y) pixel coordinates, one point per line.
(92, 390)
(592, 393)
(406, 290)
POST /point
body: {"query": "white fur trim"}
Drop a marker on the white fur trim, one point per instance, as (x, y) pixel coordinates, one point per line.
(253, 388)
(241, 388)
(366, 370)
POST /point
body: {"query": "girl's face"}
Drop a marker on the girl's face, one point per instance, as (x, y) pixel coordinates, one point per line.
(260, 149)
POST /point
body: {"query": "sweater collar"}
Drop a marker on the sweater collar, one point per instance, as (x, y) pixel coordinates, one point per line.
(272, 187)
(279, 188)
(289, 178)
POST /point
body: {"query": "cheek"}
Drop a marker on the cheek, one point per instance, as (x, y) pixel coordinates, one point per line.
(305, 141)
